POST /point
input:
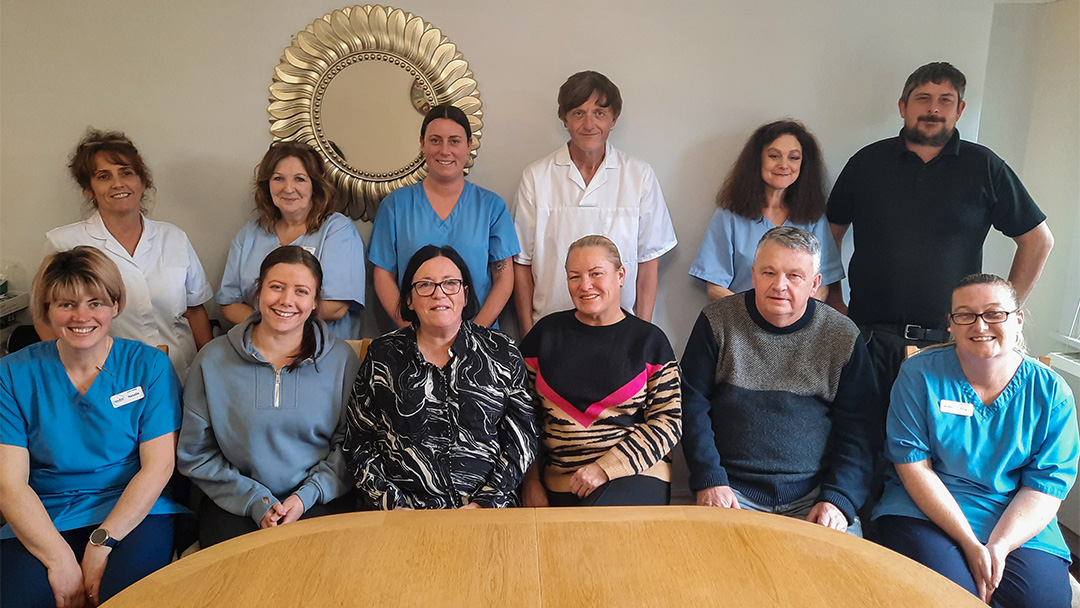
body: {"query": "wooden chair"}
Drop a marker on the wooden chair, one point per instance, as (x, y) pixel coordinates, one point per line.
(359, 347)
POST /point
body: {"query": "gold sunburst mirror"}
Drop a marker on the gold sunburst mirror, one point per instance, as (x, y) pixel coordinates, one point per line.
(356, 84)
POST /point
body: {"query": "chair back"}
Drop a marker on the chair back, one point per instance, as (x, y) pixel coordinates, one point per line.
(359, 347)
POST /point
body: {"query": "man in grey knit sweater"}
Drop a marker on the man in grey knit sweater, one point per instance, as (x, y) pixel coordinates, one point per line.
(779, 397)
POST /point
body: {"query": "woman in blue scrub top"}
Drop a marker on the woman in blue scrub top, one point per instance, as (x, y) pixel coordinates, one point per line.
(88, 427)
(984, 443)
(778, 180)
(444, 209)
(295, 202)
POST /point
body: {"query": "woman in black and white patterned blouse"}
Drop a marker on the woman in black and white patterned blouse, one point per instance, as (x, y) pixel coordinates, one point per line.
(440, 415)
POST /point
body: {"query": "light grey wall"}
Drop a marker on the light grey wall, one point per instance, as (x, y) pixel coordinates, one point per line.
(1031, 118)
(188, 82)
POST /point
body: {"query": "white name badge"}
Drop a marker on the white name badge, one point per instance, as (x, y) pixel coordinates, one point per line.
(126, 397)
(956, 407)
(310, 250)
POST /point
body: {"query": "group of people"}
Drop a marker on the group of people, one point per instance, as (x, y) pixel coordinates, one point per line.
(782, 403)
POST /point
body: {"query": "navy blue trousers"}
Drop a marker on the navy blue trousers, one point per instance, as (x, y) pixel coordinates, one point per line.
(1032, 578)
(24, 582)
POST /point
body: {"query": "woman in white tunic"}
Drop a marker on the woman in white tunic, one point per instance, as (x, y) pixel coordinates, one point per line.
(164, 280)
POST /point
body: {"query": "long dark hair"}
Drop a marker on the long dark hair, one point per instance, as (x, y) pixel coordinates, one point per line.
(743, 192)
(425, 253)
(291, 254)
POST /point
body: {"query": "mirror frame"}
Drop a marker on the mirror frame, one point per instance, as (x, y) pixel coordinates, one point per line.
(319, 52)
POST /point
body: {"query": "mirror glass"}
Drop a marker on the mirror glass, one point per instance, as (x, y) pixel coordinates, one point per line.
(370, 102)
(356, 84)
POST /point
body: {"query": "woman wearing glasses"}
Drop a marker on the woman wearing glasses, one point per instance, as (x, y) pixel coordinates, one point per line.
(984, 442)
(439, 416)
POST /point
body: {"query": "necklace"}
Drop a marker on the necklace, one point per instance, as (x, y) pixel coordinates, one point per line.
(83, 382)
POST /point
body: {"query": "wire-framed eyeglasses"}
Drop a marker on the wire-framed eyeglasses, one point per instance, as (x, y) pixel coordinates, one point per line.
(427, 288)
(991, 317)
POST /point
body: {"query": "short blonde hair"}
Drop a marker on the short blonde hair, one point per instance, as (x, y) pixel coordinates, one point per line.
(597, 240)
(70, 274)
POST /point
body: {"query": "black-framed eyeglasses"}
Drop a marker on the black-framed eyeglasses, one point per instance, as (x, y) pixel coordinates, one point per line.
(427, 288)
(991, 317)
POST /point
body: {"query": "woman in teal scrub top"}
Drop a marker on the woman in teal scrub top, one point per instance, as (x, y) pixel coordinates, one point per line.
(88, 427)
(984, 443)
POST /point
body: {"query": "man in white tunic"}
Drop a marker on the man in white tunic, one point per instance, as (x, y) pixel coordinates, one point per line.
(587, 187)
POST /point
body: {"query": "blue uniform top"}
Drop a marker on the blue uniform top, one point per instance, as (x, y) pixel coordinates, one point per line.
(84, 449)
(336, 244)
(727, 250)
(479, 228)
(1026, 437)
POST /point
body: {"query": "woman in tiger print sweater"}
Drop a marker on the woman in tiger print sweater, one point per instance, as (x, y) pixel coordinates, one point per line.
(606, 386)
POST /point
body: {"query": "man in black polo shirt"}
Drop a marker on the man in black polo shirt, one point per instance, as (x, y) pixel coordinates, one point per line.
(921, 205)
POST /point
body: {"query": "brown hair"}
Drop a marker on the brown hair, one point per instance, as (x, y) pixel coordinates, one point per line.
(982, 278)
(743, 192)
(596, 240)
(291, 254)
(937, 73)
(72, 273)
(118, 149)
(580, 87)
(324, 199)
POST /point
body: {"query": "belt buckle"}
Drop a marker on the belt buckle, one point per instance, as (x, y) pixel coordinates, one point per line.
(908, 329)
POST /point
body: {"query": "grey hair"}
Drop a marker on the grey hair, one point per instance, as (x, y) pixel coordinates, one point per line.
(795, 239)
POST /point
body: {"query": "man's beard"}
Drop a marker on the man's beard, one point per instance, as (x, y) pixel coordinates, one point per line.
(919, 138)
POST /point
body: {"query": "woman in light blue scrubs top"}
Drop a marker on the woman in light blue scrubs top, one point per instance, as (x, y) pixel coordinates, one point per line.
(295, 201)
(88, 427)
(444, 209)
(984, 443)
(778, 180)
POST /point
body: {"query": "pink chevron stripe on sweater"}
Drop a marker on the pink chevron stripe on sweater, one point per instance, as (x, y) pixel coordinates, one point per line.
(586, 418)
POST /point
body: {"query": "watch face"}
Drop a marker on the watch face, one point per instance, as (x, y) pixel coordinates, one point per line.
(99, 536)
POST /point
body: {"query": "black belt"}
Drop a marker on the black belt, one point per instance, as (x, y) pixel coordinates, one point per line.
(915, 333)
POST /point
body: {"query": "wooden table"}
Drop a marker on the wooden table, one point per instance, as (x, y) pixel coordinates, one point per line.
(643, 556)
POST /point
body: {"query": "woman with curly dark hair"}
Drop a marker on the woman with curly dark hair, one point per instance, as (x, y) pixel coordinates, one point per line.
(778, 180)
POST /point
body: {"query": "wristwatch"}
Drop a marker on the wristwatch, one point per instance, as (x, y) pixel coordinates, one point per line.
(101, 538)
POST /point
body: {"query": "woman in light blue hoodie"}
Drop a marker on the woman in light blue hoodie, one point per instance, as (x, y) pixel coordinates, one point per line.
(263, 427)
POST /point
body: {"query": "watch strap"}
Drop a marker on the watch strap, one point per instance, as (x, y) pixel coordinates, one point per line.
(101, 538)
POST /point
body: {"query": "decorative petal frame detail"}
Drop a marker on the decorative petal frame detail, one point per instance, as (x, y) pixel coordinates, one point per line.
(342, 38)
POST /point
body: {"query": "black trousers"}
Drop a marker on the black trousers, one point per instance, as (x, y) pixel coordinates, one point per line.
(887, 352)
(217, 524)
(636, 490)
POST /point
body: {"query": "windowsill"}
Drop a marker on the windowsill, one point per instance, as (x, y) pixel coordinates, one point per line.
(1070, 341)
(1068, 363)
